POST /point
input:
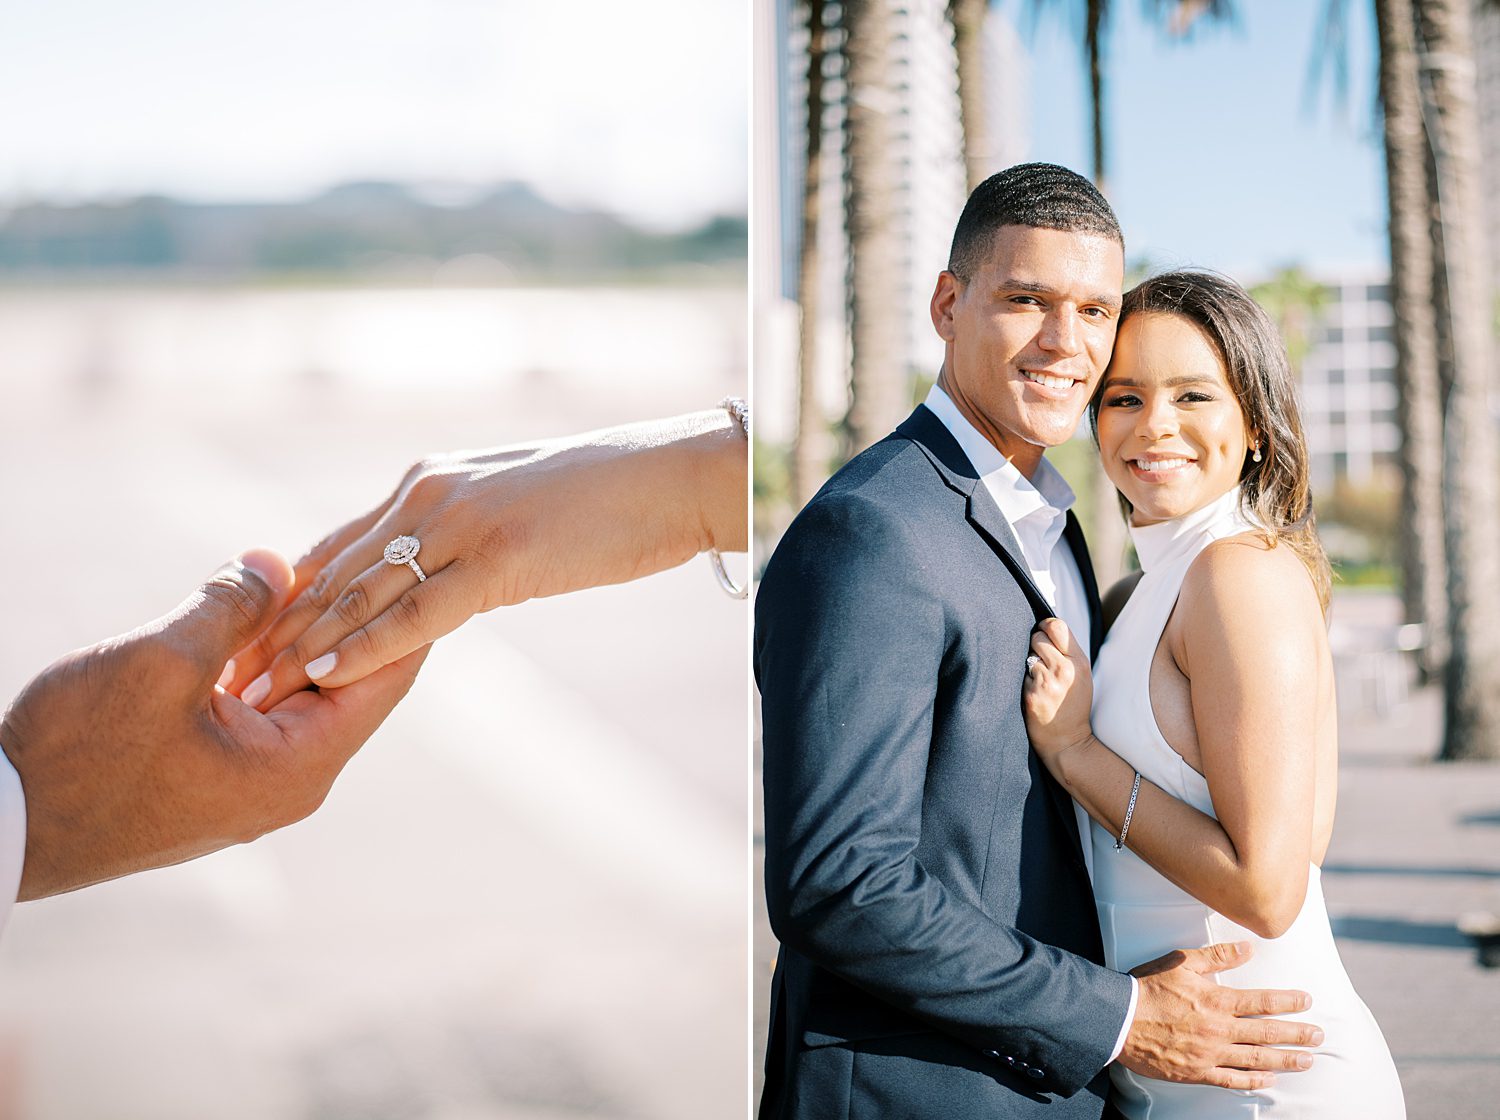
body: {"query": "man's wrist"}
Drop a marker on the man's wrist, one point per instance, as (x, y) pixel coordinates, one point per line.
(1135, 999)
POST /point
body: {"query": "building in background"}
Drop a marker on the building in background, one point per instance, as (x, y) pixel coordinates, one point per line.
(1348, 391)
(930, 191)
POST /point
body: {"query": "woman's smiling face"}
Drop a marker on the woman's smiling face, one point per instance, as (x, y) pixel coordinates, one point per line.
(1171, 433)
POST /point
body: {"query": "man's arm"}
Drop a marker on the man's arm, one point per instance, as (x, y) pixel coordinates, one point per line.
(130, 758)
(849, 641)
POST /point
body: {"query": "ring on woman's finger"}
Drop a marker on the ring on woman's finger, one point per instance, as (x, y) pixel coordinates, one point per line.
(1032, 661)
(403, 550)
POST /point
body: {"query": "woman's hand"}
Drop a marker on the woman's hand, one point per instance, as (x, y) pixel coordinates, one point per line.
(496, 528)
(1058, 693)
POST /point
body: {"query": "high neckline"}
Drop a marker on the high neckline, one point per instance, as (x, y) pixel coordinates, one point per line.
(1166, 541)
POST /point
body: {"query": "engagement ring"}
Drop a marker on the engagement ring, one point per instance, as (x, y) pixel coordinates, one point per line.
(403, 550)
(1032, 661)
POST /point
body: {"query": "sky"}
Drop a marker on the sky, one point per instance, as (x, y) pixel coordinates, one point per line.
(638, 108)
(1218, 157)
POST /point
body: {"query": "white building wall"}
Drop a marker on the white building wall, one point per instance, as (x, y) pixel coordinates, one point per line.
(1348, 392)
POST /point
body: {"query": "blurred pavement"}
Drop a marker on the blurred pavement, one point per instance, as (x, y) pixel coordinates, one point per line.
(525, 898)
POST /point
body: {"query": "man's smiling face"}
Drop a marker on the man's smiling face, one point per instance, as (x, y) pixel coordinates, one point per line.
(1029, 334)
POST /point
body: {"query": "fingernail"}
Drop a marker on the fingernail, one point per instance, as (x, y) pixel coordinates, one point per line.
(1317, 1037)
(322, 666)
(257, 690)
(227, 675)
(269, 567)
(1304, 1061)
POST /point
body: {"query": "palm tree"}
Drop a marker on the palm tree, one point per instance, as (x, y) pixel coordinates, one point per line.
(812, 449)
(967, 17)
(1418, 405)
(1472, 675)
(879, 390)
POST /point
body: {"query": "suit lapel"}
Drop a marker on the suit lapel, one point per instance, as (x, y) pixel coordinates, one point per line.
(929, 433)
(1073, 534)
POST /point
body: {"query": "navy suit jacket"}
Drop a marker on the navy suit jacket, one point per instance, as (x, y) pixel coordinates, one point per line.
(940, 955)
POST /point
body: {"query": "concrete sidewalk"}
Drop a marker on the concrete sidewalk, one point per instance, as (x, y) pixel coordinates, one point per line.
(525, 898)
(1417, 845)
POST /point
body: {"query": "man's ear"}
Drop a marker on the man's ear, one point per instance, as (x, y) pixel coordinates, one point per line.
(944, 297)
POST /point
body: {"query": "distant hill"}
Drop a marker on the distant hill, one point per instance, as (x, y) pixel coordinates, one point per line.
(369, 230)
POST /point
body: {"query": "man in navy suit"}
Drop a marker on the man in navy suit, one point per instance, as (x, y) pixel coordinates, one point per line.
(940, 953)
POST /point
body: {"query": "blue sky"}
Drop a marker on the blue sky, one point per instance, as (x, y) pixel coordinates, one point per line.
(1218, 159)
(635, 107)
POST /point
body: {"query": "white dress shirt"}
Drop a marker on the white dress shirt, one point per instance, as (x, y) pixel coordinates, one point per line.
(12, 836)
(1036, 510)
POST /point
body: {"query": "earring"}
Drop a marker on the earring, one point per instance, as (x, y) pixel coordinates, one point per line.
(1255, 452)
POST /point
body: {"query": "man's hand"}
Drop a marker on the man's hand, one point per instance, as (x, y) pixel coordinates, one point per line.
(130, 758)
(1187, 1028)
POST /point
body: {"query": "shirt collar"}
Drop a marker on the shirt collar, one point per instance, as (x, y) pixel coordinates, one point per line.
(1018, 497)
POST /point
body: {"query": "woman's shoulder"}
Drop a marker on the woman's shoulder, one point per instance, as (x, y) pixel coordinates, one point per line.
(1251, 578)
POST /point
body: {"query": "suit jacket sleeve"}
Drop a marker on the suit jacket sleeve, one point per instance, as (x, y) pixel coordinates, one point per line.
(849, 641)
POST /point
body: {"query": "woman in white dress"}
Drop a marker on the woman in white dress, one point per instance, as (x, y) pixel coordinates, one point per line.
(1206, 738)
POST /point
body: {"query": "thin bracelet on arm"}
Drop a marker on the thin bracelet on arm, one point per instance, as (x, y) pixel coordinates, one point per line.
(1135, 790)
(739, 411)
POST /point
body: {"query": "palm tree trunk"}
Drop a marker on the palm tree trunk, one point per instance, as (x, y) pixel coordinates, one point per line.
(879, 393)
(1418, 404)
(967, 17)
(1106, 527)
(812, 450)
(1472, 678)
(1093, 47)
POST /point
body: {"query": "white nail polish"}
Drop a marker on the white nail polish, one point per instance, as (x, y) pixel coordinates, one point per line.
(227, 675)
(320, 668)
(257, 690)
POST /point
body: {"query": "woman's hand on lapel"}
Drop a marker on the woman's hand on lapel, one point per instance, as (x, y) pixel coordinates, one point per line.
(1058, 692)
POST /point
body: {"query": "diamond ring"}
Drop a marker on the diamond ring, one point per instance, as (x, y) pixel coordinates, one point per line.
(403, 550)
(1032, 661)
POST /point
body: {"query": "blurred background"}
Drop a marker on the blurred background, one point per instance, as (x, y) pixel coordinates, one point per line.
(1341, 159)
(255, 259)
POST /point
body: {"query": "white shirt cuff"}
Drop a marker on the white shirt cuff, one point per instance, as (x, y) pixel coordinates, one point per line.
(12, 836)
(1135, 995)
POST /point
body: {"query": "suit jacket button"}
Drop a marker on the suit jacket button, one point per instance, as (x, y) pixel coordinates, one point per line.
(1034, 1071)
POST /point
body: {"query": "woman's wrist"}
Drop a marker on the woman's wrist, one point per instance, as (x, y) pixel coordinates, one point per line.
(1069, 764)
(715, 454)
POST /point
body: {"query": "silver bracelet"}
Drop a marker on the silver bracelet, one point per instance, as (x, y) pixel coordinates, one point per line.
(739, 411)
(1135, 790)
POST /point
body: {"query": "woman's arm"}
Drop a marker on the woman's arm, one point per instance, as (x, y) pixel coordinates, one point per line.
(1248, 635)
(496, 528)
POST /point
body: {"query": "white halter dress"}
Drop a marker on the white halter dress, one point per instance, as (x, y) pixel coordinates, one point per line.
(1142, 915)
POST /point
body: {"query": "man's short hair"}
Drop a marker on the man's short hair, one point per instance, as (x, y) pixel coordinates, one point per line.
(1039, 195)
